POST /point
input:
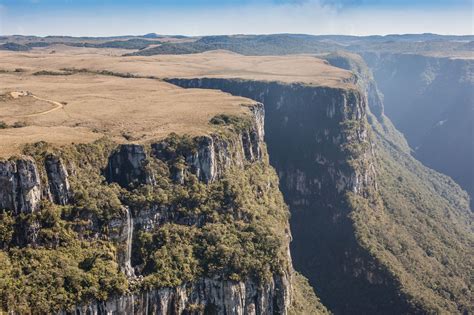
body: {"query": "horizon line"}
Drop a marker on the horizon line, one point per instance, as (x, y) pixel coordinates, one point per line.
(237, 34)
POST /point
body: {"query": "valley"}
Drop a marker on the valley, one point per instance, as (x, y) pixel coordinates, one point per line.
(215, 182)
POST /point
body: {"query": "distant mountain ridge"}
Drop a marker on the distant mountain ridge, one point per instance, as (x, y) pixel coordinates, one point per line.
(275, 44)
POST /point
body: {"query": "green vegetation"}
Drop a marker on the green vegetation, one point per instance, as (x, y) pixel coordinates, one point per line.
(134, 43)
(235, 228)
(60, 270)
(417, 223)
(238, 123)
(14, 47)
(280, 44)
(126, 75)
(16, 124)
(244, 229)
(418, 226)
(304, 300)
(47, 72)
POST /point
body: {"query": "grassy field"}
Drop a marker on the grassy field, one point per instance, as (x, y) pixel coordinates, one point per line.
(217, 64)
(124, 97)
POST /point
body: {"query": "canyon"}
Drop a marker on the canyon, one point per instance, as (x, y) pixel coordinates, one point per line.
(186, 197)
(430, 99)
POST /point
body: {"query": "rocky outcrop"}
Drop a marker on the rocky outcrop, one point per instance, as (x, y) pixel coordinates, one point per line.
(121, 232)
(214, 155)
(206, 296)
(59, 188)
(22, 189)
(208, 157)
(20, 185)
(298, 115)
(127, 166)
(363, 78)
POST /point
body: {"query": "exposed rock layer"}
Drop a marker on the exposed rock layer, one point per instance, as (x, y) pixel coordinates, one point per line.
(207, 296)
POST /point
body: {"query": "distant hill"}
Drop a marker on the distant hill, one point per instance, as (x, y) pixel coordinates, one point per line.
(14, 47)
(282, 44)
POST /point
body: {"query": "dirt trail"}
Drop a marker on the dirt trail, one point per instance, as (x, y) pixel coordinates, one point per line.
(57, 104)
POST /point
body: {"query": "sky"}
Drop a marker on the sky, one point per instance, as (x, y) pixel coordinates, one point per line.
(217, 17)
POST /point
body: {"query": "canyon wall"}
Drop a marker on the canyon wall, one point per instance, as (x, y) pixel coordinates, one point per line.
(430, 100)
(198, 225)
(418, 222)
(183, 225)
(318, 141)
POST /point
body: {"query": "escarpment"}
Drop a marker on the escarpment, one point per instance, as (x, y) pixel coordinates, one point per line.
(350, 182)
(318, 141)
(177, 213)
(420, 240)
(430, 100)
(182, 225)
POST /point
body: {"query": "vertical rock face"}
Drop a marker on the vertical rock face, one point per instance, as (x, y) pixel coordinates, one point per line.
(212, 155)
(208, 158)
(20, 185)
(203, 161)
(127, 166)
(318, 142)
(58, 180)
(298, 116)
(363, 78)
(21, 189)
(121, 231)
(206, 296)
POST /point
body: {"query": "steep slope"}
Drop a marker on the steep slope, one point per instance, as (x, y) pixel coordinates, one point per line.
(423, 232)
(342, 171)
(169, 226)
(431, 101)
(370, 223)
(318, 142)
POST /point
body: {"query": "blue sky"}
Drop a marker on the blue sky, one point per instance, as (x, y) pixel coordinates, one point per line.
(199, 17)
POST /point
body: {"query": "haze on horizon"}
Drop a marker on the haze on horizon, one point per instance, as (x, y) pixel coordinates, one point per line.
(206, 17)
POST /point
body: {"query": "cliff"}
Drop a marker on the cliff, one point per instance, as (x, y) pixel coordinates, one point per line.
(318, 142)
(182, 225)
(429, 252)
(157, 222)
(430, 100)
(338, 165)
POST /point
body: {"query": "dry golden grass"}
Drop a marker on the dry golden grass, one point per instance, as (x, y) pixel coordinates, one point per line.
(215, 64)
(12, 110)
(83, 107)
(124, 109)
